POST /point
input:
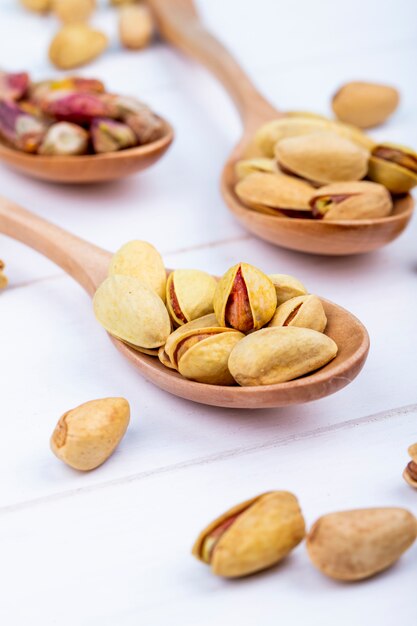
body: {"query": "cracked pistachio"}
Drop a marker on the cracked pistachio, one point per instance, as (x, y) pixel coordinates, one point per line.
(164, 358)
(3, 278)
(244, 167)
(410, 472)
(65, 139)
(303, 311)
(351, 201)
(206, 321)
(353, 545)
(287, 287)
(252, 536)
(245, 298)
(189, 295)
(365, 104)
(279, 354)
(275, 194)
(393, 166)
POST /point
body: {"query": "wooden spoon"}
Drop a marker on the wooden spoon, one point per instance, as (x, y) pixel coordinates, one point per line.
(90, 168)
(179, 24)
(88, 265)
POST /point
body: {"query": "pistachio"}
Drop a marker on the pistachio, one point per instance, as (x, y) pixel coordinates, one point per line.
(40, 6)
(141, 260)
(276, 355)
(64, 138)
(353, 545)
(275, 193)
(189, 295)
(86, 436)
(205, 322)
(136, 26)
(353, 200)
(410, 472)
(393, 166)
(164, 358)
(23, 131)
(75, 45)
(252, 536)
(13, 86)
(72, 11)
(287, 287)
(322, 158)
(245, 167)
(303, 311)
(245, 298)
(365, 104)
(3, 278)
(109, 136)
(132, 312)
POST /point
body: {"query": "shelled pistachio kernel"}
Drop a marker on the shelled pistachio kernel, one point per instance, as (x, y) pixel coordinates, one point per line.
(393, 166)
(244, 167)
(141, 260)
(365, 104)
(302, 311)
(3, 278)
(354, 545)
(275, 194)
(350, 201)
(410, 472)
(189, 295)
(287, 287)
(252, 536)
(245, 298)
(86, 436)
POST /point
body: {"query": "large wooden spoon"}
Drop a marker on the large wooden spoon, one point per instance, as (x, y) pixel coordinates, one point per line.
(88, 265)
(179, 24)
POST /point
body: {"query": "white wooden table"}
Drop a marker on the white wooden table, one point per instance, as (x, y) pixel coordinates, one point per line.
(111, 547)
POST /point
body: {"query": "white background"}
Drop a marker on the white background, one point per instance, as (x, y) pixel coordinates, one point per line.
(111, 547)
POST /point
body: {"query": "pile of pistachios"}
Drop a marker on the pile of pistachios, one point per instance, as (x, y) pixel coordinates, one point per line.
(247, 328)
(71, 116)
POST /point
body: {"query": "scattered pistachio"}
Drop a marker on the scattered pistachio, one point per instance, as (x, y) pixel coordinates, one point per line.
(3, 278)
(365, 104)
(39, 6)
(352, 200)
(75, 45)
(73, 11)
(136, 26)
(410, 472)
(64, 138)
(303, 311)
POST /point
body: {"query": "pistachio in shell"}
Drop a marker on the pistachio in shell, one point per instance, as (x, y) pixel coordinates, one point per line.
(354, 545)
(365, 104)
(245, 298)
(252, 536)
(141, 260)
(393, 166)
(351, 201)
(279, 354)
(244, 167)
(287, 287)
(132, 312)
(164, 358)
(303, 311)
(207, 321)
(410, 472)
(189, 295)
(322, 158)
(275, 194)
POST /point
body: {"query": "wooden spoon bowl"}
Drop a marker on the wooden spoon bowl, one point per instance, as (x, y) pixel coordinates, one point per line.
(88, 265)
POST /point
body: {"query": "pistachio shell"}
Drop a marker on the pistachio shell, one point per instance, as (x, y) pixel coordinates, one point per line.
(75, 45)
(412, 451)
(410, 472)
(353, 545)
(189, 295)
(276, 355)
(365, 104)
(206, 322)
(264, 530)
(393, 166)
(303, 311)
(140, 259)
(353, 200)
(307, 115)
(148, 351)
(164, 358)
(245, 298)
(287, 287)
(274, 192)
(322, 158)
(132, 312)
(250, 166)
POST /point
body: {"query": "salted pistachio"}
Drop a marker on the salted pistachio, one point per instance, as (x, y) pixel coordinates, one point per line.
(141, 260)
(275, 193)
(75, 45)
(365, 104)
(252, 536)
(410, 472)
(245, 298)
(136, 26)
(322, 157)
(302, 311)
(276, 355)
(164, 358)
(72, 11)
(189, 295)
(244, 167)
(204, 322)
(86, 436)
(393, 166)
(352, 200)
(287, 287)
(353, 545)
(3, 278)
(132, 312)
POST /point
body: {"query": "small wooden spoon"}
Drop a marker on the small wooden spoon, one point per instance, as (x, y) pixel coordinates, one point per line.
(88, 265)
(91, 168)
(179, 24)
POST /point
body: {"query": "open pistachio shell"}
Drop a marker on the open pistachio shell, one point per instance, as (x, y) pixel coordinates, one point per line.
(274, 192)
(252, 536)
(245, 298)
(140, 260)
(206, 322)
(148, 351)
(353, 200)
(302, 311)
(410, 472)
(189, 295)
(132, 312)
(365, 104)
(287, 287)
(245, 167)
(164, 358)
(393, 166)
(276, 355)
(322, 158)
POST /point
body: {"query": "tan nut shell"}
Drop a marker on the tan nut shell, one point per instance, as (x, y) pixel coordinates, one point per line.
(40, 6)
(130, 311)
(87, 435)
(365, 104)
(3, 278)
(75, 45)
(261, 293)
(141, 260)
(276, 355)
(72, 11)
(269, 527)
(412, 451)
(287, 287)
(322, 157)
(394, 177)
(274, 191)
(164, 358)
(250, 166)
(194, 291)
(136, 26)
(353, 545)
(309, 313)
(206, 322)
(368, 201)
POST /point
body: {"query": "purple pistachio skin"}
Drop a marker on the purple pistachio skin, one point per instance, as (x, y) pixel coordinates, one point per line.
(77, 107)
(13, 86)
(144, 123)
(109, 136)
(23, 131)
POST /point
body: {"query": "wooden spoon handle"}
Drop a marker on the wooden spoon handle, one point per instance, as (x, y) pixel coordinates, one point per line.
(86, 263)
(179, 24)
